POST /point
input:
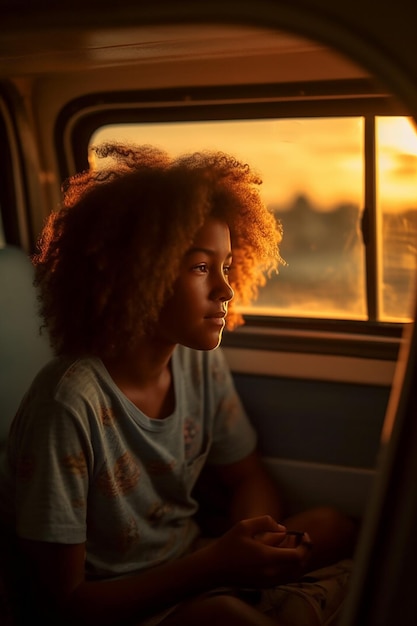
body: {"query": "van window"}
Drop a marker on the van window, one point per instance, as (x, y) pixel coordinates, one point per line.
(5, 176)
(345, 190)
(14, 226)
(396, 189)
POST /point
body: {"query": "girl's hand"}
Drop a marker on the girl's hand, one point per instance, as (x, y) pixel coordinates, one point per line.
(257, 553)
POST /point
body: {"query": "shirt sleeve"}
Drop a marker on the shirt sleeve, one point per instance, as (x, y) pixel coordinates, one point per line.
(233, 434)
(51, 454)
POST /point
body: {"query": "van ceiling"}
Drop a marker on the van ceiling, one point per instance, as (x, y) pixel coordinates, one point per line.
(49, 51)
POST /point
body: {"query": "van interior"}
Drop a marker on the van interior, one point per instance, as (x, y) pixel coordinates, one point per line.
(323, 363)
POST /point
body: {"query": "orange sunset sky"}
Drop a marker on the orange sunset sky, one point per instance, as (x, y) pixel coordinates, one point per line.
(319, 157)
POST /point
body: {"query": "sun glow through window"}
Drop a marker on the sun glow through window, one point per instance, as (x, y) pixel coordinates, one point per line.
(313, 173)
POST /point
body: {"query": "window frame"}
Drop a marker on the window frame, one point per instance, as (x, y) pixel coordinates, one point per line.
(341, 98)
(15, 223)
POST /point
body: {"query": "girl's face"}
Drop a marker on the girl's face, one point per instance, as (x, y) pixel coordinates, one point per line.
(195, 314)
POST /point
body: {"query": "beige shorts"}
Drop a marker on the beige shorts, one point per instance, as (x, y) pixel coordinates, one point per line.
(317, 598)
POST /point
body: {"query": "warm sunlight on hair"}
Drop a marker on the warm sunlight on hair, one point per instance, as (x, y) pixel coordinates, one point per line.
(313, 171)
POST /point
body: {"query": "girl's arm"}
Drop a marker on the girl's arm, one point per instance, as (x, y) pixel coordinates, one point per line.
(250, 489)
(252, 492)
(238, 558)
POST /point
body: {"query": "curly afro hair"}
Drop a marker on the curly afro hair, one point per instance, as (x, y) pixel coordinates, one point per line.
(108, 259)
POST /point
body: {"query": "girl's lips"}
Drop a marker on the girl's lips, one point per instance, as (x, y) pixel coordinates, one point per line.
(219, 321)
(217, 318)
(221, 314)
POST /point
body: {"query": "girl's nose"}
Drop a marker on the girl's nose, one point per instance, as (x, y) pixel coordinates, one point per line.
(224, 291)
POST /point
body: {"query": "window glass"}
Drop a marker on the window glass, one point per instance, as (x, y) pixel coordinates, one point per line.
(396, 142)
(2, 237)
(313, 172)
(13, 225)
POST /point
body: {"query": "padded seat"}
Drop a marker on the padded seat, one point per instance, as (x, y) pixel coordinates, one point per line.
(23, 349)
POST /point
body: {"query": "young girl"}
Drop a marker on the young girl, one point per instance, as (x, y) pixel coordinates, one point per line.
(136, 281)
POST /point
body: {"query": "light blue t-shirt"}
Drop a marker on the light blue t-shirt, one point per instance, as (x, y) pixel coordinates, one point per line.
(85, 464)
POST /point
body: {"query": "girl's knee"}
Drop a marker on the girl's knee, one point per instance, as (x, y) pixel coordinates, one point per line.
(223, 605)
(220, 609)
(327, 515)
(332, 532)
(331, 519)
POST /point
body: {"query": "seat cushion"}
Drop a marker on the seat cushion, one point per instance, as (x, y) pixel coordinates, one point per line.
(23, 349)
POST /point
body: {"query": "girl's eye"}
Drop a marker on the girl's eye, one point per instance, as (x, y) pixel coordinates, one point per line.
(201, 268)
(226, 270)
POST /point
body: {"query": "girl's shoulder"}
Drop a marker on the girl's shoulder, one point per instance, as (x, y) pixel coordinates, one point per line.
(66, 368)
(68, 377)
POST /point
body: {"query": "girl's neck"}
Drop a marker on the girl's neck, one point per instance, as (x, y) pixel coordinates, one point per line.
(145, 377)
